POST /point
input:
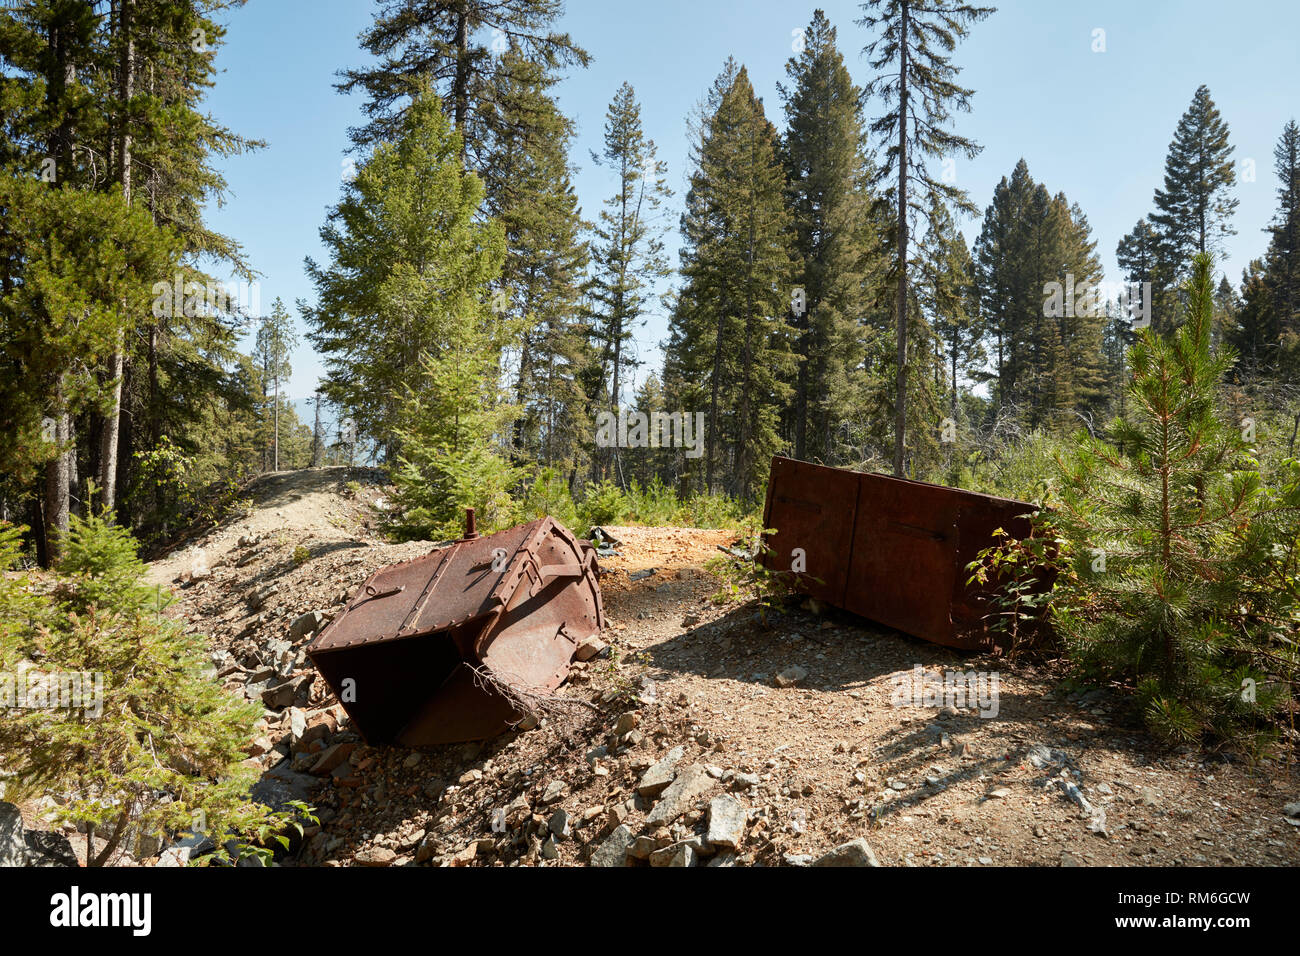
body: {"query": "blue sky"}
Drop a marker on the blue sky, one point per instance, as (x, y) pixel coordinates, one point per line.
(1095, 125)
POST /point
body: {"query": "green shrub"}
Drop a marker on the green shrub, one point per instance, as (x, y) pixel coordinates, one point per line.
(1171, 528)
(101, 569)
(548, 494)
(604, 503)
(741, 577)
(151, 745)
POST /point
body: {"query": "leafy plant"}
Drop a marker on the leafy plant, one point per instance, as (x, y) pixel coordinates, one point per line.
(744, 577)
(604, 503)
(1018, 577)
(625, 686)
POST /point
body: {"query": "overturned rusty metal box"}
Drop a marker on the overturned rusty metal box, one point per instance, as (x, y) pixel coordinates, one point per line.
(890, 549)
(417, 656)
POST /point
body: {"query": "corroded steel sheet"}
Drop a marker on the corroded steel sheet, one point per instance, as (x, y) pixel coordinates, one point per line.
(889, 549)
(403, 654)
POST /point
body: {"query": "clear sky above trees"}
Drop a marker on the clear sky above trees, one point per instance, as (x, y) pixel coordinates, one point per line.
(1096, 125)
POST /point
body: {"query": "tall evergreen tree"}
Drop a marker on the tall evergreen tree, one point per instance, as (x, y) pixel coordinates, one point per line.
(839, 261)
(728, 348)
(409, 264)
(1038, 278)
(81, 262)
(1255, 331)
(917, 82)
(109, 100)
(450, 44)
(1006, 289)
(1146, 267)
(51, 53)
(629, 249)
(1283, 258)
(276, 338)
(530, 194)
(179, 363)
(948, 293)
(1195, 208)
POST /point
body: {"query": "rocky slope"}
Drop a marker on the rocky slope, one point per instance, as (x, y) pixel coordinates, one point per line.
(715, 739)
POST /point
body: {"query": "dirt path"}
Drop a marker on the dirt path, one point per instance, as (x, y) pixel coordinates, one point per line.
(307, 503)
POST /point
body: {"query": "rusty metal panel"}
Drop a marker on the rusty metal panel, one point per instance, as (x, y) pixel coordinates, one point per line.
(403, 654)
(901, 570)
(816, 505)
(889, 549)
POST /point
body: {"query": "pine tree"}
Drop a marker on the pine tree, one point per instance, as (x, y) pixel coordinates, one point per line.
(948, 293)
(448, 419)
(83, 262)
(1194, 208)
(178, 365)
(1255, 331)
(917, 83)
(1283, 258)
(1038, 277)
(728, 347)
(629, 251)
(1005, 288)
(110, 100)
(50, 53)
(1147, 269)
(1163, 534)
(410, 263)
(276, 338)
(839, 261)
(1080, 329)
(1226, 305)
(530, 194)
(144, 742)
(441, 44)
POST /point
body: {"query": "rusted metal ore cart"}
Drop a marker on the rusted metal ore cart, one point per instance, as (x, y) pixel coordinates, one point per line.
(416, 656)
(889, 549)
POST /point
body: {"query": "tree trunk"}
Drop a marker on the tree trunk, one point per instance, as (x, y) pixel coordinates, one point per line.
(954, 378)
(275, 439)
(900, 413)
(315, 437)
(802, 384)
(111, 433)
(58, 471)
(460, 85)
(58, 479)
(710, 437)
(34, 511)
(119, 831)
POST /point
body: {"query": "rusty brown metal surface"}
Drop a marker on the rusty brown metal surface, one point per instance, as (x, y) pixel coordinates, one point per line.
(889, 549)
(401, 656)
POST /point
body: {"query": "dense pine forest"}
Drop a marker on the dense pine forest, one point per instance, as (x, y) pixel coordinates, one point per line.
(478, 326)
(476, 322)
